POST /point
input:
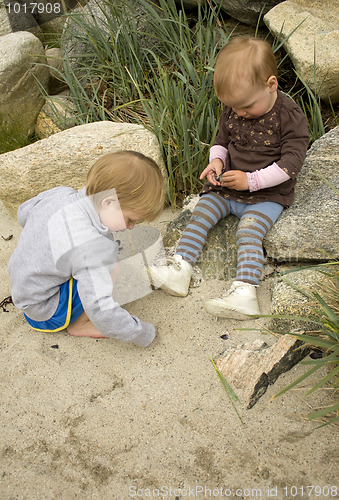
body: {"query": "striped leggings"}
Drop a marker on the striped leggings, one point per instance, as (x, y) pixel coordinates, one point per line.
(255, 221)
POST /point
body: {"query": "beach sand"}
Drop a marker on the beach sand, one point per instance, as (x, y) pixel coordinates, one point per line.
(99, 419)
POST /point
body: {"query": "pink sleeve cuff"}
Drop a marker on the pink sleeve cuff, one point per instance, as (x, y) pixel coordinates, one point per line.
(270, 176)
(218, 152)
(253, 181)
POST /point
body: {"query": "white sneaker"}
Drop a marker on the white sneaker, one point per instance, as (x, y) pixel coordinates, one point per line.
(173, 278)
(239, 302)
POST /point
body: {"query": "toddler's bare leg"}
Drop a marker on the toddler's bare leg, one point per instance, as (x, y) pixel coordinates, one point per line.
(83, 327)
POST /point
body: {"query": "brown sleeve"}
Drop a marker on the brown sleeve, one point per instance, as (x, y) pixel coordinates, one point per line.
(222, 138)
(294, 140)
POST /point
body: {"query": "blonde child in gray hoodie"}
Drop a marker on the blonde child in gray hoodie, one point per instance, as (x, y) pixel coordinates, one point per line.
(62, 268)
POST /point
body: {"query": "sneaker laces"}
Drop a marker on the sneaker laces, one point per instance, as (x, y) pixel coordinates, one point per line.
(230, 290)
(170, 261)
(173, 262)
(233, 287)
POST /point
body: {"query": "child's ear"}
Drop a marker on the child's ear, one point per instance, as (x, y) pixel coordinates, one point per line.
(272, 83)
(107, 202)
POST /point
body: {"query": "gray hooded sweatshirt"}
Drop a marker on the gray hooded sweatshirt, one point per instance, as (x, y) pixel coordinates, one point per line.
(62, 237)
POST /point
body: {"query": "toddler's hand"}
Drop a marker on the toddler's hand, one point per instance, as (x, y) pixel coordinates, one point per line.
(212, 170)
(235, 179)
(146, 336)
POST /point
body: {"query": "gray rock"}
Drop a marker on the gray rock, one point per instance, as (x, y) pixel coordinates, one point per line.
(71, 45)
(307, 231)
(15, 17)
(248, 12)
(100, 14)
(189, 4)
(47, 11)
(52, 31)
(252, 367)
(55, 65)
(316, 39)
(292, 296)
(46, 25)
(65, 158)
(241, 10)
(21, 68)
(56, 115)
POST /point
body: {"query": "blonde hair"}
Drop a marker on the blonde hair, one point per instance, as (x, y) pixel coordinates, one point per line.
(136, 179)
(243, 58)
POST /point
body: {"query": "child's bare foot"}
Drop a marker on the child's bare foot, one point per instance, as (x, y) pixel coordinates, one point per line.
(83, 327)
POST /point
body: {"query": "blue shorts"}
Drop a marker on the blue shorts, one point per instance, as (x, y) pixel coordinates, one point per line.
(68, 310)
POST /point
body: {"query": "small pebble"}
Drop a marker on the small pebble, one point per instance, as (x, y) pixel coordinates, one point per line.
(7, 238)
(316, 354)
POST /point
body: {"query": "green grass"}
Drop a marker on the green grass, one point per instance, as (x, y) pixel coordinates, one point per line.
(233, 398)
(11, 136)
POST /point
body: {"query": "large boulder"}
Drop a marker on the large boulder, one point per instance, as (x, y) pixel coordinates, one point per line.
(315, 41)
(21, 68)
(65, 158)
(307, 231)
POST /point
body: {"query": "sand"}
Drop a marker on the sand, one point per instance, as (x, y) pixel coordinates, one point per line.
(100, 419)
